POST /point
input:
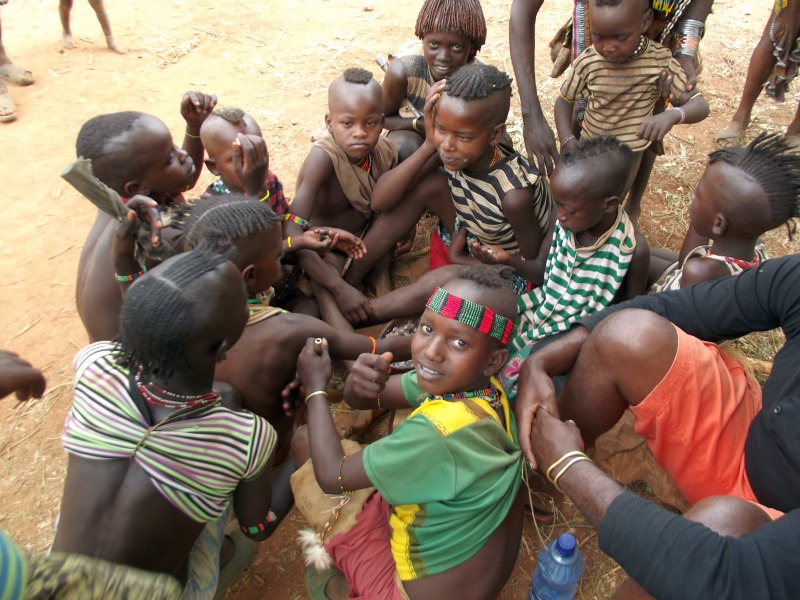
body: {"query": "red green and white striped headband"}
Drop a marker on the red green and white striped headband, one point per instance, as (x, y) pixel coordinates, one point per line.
(470, 313)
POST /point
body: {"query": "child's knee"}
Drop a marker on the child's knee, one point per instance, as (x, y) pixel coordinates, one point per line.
(301, 451)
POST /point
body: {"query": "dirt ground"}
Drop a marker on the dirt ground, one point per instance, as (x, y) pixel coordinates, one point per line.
(274, 59)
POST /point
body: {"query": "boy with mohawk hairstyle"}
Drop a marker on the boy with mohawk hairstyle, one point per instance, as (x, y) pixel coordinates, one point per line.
(334, 188)
(452, 32)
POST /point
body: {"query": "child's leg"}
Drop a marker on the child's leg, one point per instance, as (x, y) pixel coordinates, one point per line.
(641, 167)
(432, 193)
(64, 8)
(102, 17)
(761, 63)
(406, 143)
(409, 301)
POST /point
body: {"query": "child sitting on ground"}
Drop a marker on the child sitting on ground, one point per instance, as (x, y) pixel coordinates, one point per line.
(619, 76)
(445, 520)
(500, 201)
(64, 9)
(132, 153)
(743, 193)
(334, 188)
(597, 255)
(452, 32)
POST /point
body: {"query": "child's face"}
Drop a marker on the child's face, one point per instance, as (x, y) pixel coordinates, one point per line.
(267, 268)
(703, 209)
(445, 51)
(616, 30)
(355, 120)
(462, 135)
(577, 204)
(450, 356)
(218, 141)
(171, 170)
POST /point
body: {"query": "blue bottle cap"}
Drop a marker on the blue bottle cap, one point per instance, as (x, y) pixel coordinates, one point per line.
(565, 544)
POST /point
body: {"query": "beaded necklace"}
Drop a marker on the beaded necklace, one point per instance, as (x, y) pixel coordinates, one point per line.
(496, 156)
(488, 394)
(639, 49)
(366, 164)
(745, 264)
(158, 396)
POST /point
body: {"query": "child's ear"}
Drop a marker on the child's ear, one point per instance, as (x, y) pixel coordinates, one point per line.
(496, 361)
(497, 134)
(720, 225)
(647, 20)
(211, 165)
(134, 187)
(611, 204)
(328, 122)
(249, 277)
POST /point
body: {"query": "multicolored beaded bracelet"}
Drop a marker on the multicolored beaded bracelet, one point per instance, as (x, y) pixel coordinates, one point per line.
(295, 219)
(131, 277)
(253, 529)
(470, 313)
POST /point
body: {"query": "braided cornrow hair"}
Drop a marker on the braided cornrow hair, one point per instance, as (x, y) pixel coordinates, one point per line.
(158, 313)
(476, 82)
(610, 159)
(462, 16)
(595, 147)
(769, 159)
(224, 219)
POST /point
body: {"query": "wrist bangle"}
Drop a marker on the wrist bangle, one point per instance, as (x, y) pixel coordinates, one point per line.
(131, 277)
(191, 135)
(560, 460)
(566, 467)
(414, 124)
(317, 393)
(566, 141)
(265, 197)
(682, 113)
(289, 242)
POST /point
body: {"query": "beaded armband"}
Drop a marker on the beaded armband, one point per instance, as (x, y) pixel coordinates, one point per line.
(131, 277)
(470, 313)
(253, 529)
(295, 219)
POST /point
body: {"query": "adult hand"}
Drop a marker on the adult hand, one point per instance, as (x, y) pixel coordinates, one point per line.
(368, 375)
(354, 305)
(540, 143)
(552, 438)
(195, 107)
(18, 375)
(250, 163)
(314, 368)
(535, 391)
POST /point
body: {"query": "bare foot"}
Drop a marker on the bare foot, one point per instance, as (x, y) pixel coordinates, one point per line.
(114, 45)
(66, 41)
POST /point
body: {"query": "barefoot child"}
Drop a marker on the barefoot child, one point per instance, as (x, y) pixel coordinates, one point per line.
(499, 199)
(334, 188)
(132, 153)
(743, 193)
(445, 521)
(452, 32)
(64, 9)
(597, 255)
(619, 76)
(156, 460)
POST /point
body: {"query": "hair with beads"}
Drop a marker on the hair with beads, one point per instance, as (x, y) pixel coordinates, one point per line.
(357, 75)
(462, 16)
(115, 160)
(771, 162)
(224, 219)
(159, 312)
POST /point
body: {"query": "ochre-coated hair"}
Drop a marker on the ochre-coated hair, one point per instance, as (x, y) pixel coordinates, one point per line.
(462, 16)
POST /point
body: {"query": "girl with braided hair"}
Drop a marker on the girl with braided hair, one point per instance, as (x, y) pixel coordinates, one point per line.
(157, 461)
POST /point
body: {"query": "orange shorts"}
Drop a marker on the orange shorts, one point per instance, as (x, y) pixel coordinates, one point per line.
(696, 420)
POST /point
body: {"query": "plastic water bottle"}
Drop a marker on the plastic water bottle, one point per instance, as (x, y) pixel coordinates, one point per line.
(559, 568)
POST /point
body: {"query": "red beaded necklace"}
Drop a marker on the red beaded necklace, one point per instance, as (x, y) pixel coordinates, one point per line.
(745, 264)
(158, 396)
(366, 164)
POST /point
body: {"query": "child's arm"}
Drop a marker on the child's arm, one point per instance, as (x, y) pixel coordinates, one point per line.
(251, 163)
(394, 184)
(195, 107)
(701, 269)
(457, 252)
(252, 499)
(127, 269)
(636, 277)
(656, 127)
(395, 87)
(563, 118)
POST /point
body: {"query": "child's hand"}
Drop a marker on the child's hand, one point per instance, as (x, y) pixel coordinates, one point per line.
(354, 305)
(292, 397)
(430, 107)
(369, 375)
(346, 242)
(314, 368)
(657, 126)
(18, 375)
(489, 253)
(141, 209)
(250, 163)
(195, 107)
(319, 240)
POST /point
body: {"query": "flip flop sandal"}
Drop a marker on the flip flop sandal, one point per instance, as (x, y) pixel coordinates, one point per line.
(7, 104)
(16, 75)
(729, 137)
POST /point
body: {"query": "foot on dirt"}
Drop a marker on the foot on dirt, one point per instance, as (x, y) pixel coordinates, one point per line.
(66, 41)
(16, 75)
(731, 136)
(114, 45)
(8, 111)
